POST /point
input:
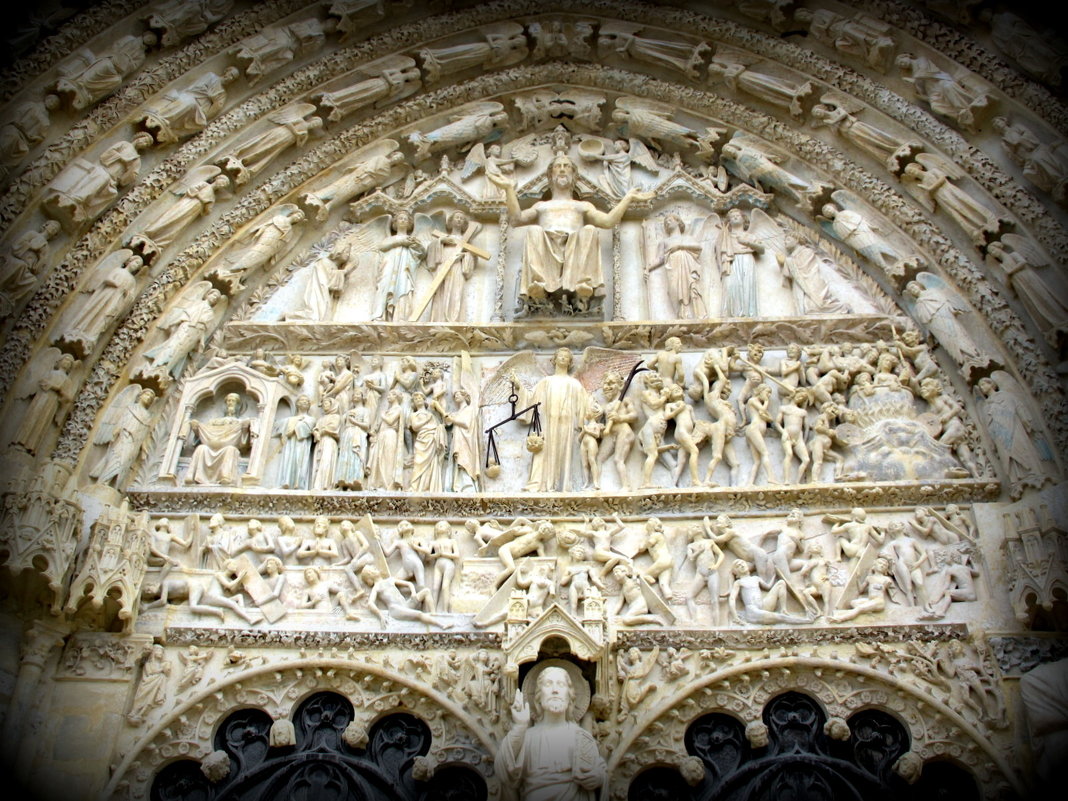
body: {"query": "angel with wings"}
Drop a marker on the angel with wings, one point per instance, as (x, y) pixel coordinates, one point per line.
(494, 160)
(1020, 259)
(373, 171)
(681, 249)
(939, 309)
(1024, 452)
(476, 122)
(196, 193)
(448, 252)
(618, 162)
(651, 120)
(185, 326)
(402, 248)
(122, 432)
(259, 247)
(736, 251)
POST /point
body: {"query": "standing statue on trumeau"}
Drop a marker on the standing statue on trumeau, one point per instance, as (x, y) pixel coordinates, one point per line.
(553, 759)
(562, 256)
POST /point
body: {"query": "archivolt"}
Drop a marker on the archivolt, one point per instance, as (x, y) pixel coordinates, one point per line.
(742, 691)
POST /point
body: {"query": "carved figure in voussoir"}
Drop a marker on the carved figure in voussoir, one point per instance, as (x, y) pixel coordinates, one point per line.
(22, 263)
(196, 193)
(476, 123)
(860, 35)
(87, 77)
(29, 123)
(932, 177)
(746, 157)
(733, 70)
(374, 172)
(274, 47)
(651, 121)
(962, 100)
(174, 21)
(122, 432)
(82, 192)
(1045, 164)
(52, 391)
(290, 127)
(182, 112)
(391, 82)
(152, 688)
(763, 603)
(1024, 453)
(875, 588)
(856, 231)
(633, 671)
(257, 249)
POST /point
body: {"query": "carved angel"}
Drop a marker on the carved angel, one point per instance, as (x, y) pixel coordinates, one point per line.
(1025, 454)
(476, 122)
(736, 250)
(651, 120)
(497, 161)
(185, 327)
(373, 171)
(400, 242)
(255, 249)
(748, 158)
(940, 309)
(683, 248)
(196, 193)
(122, 431)
(618, 162)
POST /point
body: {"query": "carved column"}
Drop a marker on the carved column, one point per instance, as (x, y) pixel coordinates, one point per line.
(38, 643)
